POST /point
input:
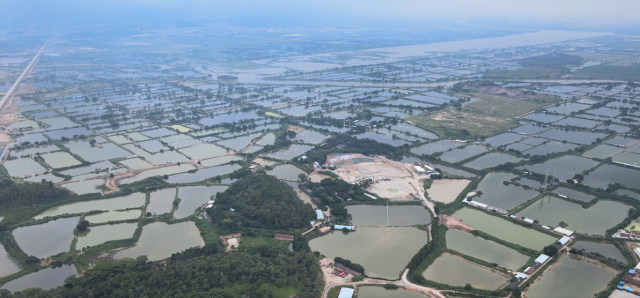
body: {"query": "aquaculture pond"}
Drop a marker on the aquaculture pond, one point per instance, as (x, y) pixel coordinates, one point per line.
(203, 151)
(491, 160)
(384, 252)
(194, 197)
(291, 152)
(395, 216)
(446, 190)
(456, 271)
(45, 279)
(161, 201)
(114, 216)
(563, 168)
(287, 172)
(573, 194)
(8, 265)
(101, 234)
(85, 186)
(219, 161)
(268, 139)
(203, 174)
(489, 251)
(610, 174)
(155, 244)
(23, 167)
(380, 292)
(571, 278)
(457, 155)
(603, 151)
(46, 239)
(608, 250)
(593, 220)
(239, 143)
(170, 170)
(60, 159)
(495, 193)
(118, 203)
(434, 147)
(504, 229)
(310, 137)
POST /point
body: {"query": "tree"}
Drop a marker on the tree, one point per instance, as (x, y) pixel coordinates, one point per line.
(550, 250)
(82, 225)
(302, 177)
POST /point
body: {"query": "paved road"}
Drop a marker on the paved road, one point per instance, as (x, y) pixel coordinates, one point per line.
(404, 283)
(24, 74)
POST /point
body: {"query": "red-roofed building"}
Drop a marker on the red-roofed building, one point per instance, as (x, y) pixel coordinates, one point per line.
(283, 237)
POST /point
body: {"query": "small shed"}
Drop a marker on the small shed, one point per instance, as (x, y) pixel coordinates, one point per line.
(564, 240)
(563, 231)
(529, 270)
(521, 276)
(541, 259)
(283, 237)
(346, 293)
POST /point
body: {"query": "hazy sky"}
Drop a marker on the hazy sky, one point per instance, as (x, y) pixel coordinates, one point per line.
(543, 13)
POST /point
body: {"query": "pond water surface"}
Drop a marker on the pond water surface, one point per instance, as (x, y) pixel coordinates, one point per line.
(384, 252)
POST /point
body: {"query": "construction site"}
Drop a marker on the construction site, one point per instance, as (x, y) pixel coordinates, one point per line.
(386, 178)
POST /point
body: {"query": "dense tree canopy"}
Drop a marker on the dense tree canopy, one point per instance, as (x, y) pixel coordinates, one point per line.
(261, 201)
(27, 193)
(347, 144)
(217, 275)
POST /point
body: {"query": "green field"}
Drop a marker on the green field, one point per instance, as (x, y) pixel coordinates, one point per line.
(490, 115)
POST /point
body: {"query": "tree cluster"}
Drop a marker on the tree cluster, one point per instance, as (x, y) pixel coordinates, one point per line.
(237, 274)
(23, 194)
(261, 201)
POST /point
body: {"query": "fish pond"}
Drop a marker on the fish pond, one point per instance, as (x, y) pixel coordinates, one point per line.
(101, 234)
(456, 271)
(593, 220)
(504, 229)
(489, 251)
(446, 190)
(571, 278)
(193, 197)
(396, 216)
(155, 244)
(46, 239)
(45, 279)
(383, 252)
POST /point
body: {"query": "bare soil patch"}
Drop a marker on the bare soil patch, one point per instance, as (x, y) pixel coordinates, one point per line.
(454, 223)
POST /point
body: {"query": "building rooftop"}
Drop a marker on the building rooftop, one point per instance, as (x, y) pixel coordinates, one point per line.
(564, 240)
(319, 215)
(346, 293)
(541, 259)
(563, 231)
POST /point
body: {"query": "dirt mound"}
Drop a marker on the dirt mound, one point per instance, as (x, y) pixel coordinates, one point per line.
(454, 223)
(502, 91)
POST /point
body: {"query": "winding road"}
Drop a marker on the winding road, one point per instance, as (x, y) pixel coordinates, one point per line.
(403, 283)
